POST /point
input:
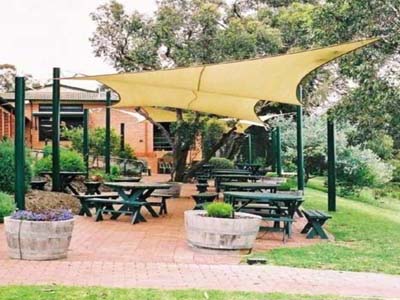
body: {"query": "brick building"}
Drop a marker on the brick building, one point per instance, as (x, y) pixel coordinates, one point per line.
(7, 120)
(144, 138)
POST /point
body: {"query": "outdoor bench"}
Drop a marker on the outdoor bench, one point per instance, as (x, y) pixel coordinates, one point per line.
(203, 198)
(162, 204)
(315, 220)
(38, 184)
(106, 206)
(202, 187)
(86, 201)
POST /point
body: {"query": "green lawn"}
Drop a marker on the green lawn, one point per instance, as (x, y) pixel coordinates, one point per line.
(367, 239)
(90, 293)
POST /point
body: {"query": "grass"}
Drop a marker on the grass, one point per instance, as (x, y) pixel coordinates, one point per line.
(367, 239)
(96, 293)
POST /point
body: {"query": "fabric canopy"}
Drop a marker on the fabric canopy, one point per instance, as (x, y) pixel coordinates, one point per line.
(227, 89)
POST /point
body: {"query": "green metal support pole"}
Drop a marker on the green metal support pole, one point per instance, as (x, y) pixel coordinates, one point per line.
(122, 136)
(278, 151)
(250, 149)
(273, 149)
(300, 145)
(56, 181)
(331, 166)
(20, 142)
(107, 153)
(86, 139)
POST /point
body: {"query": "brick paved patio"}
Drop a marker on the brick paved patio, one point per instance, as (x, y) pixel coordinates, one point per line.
(155, 254)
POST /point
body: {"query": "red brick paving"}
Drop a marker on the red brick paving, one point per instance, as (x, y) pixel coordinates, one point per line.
(155, 254)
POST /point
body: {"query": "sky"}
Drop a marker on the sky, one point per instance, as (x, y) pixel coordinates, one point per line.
(37, 35)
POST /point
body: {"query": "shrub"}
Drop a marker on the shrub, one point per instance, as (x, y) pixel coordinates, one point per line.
(127, 153)
(357, 168)
(7, 205)
(221, 163)
(219, 210)
(70, 160)
(396, 172)
(7, 168)
(291, 183)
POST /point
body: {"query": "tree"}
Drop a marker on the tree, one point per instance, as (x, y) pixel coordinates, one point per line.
(181, 33)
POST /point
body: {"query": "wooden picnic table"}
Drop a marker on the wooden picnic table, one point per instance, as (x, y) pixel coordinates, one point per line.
(283, 204)
(252, 168)
(134, 195)
(249, 186)
(66, 179)
(230, 172)
(233, 177)
(127, 179)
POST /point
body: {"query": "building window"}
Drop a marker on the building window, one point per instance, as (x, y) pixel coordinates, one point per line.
(71, 116)
(159, 141)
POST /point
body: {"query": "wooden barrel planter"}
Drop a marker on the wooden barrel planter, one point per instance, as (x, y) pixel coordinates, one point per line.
(38, 240)
(221, 233)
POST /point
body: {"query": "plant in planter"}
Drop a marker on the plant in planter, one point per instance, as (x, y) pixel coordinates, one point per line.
(7, 206)
(39, 235)
(219, 227)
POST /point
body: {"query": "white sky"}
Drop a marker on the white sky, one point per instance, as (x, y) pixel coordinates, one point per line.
(37, 35)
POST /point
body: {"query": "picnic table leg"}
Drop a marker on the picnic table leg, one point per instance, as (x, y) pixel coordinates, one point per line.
(99, 212)
(317, 230)
(84, 209)
(148, 206)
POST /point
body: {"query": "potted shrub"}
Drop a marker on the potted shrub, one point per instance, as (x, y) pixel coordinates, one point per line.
(220, 228)
(39, 235)
(7, 206)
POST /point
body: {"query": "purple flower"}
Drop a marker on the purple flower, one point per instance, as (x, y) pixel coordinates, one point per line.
(51, 215)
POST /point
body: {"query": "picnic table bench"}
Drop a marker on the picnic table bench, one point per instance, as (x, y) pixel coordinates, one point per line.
(315, 220)
(203, 198)
(202, 187)
(92, 187)
(38, 184)
(218, 178)
(249, 186)
(271, 207)
(162, 204)
(66, 179)
(87, 200)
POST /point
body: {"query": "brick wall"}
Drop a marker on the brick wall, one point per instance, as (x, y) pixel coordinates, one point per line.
(6, 124)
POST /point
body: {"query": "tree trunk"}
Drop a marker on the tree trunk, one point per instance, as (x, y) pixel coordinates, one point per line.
(225, 137)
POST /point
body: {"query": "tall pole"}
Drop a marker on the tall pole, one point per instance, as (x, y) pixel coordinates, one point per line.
(56, 182)
(122, 137)
(20, 142)
(250, 149)
(86, 139)
(278, 151)
(273, 149)
(331, 166)
(300, 145)
(107, 154)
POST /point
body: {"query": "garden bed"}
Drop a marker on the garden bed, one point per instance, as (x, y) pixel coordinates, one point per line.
(43, 200)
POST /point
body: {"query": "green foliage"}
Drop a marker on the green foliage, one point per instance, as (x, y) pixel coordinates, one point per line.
(97, 138)
(358, 168)
(219, 210)
(7, 168)
(211, 134)
(221, 163)
(396, 171)
(382, 146)
(70, 160)
(7, 205)
(289, 184)
(127, 153)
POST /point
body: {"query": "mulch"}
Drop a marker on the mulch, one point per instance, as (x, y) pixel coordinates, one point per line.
(37, 200)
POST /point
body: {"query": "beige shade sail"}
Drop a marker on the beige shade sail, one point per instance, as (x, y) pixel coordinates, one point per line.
(227, 89)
